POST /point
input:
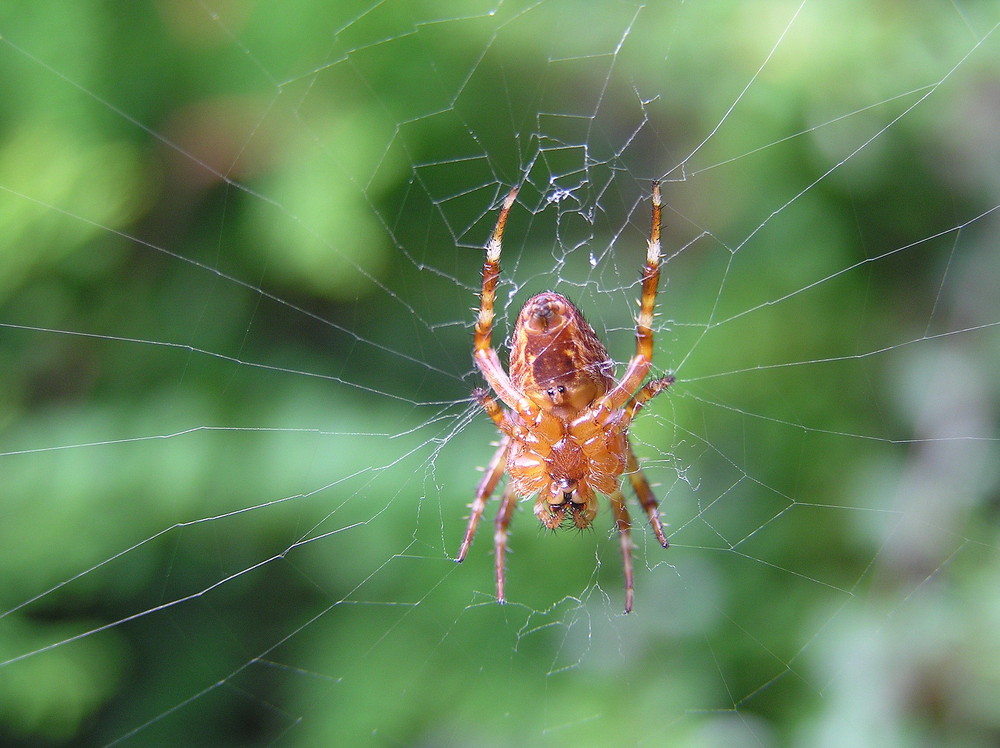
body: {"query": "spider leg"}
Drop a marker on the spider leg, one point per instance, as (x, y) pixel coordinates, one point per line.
(509, 426)
(600, 416)
(651, 389)
(483, 353)
(638, 367)
(490, 405)
(625, 536)
(494, 471)
(635, 475)
(645, 494)
(507, 505)
(491, 275)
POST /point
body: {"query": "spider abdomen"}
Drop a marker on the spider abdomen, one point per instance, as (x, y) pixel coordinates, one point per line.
(556, 358)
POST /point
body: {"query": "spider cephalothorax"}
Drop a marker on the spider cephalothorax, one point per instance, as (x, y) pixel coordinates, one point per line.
(565, 435)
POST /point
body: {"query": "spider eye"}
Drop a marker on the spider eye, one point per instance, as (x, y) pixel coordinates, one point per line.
(553, 391)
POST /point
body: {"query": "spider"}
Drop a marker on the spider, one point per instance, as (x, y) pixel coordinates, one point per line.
(565, 435)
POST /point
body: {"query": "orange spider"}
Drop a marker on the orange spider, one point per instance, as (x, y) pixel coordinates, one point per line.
(565, 436)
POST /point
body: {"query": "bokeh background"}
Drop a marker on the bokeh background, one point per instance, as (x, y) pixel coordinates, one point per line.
(239, 243)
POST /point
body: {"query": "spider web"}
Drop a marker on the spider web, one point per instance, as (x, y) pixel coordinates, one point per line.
(237, 441)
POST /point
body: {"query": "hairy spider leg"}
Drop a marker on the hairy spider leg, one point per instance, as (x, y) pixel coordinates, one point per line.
(644, 493)
(639, 483)
(624, 523)
(487, 486)
(490, 405)
(507, 426)
(483, 352)
(507, 505)
(651, 389)
(485, 489)
(489, 364)
(638, 367)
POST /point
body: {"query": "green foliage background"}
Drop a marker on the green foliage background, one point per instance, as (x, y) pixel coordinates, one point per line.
(238, 244)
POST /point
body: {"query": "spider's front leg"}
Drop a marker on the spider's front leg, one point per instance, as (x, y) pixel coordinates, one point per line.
(485, 489)
(507, 505)
(645, 495)
(624, 523)
(639, 483)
